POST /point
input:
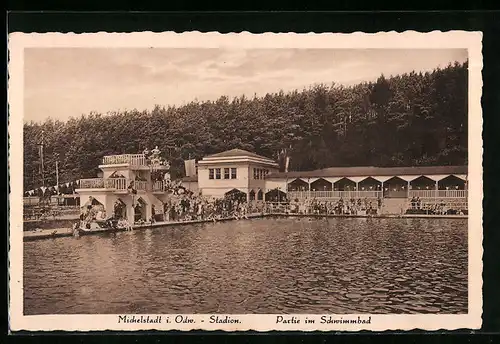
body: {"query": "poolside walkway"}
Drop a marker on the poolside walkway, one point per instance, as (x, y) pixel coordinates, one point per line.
(67, 232)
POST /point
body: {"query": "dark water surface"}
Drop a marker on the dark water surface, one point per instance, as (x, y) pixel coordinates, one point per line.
(282, 265)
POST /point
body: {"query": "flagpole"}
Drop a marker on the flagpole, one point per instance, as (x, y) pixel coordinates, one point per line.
(57, 176)
(41, 161)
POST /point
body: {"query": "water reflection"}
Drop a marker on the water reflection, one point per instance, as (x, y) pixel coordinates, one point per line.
(256, 266)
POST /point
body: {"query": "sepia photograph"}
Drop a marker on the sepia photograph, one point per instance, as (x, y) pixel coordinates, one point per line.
(187, 185)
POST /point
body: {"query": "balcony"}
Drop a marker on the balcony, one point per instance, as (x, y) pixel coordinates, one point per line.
(113, 184)
(158, 187)
(130, 159)
(140, 185)
(93, 183)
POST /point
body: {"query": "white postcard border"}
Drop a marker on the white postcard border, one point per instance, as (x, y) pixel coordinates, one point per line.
(405, 40)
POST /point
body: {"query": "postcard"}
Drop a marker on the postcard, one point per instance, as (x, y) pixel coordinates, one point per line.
(235, 182)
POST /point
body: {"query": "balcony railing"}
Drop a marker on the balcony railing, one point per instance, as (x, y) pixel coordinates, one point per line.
(131, 159)
(376, 194)
(116, 183)
(158, 186)
(438, 193)
(119, 184)
(334, 194)
(140, 185)
(94, 183)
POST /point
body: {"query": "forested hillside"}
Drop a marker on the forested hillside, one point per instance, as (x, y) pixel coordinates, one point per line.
(410, 119)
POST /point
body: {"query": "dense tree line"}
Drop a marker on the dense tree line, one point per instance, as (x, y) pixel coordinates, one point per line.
(409, 119)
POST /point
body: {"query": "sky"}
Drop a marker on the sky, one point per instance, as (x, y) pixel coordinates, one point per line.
(67, 82)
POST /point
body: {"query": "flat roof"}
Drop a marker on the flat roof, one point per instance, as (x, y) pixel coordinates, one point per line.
(368, 171)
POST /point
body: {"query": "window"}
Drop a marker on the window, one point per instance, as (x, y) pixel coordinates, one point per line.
(210, 173)
(233, 173)
(226, 173)
(260, 173)
(260, 195)
(217, 173)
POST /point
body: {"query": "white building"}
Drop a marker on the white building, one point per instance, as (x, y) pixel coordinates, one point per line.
(126, 188)
(232, 171)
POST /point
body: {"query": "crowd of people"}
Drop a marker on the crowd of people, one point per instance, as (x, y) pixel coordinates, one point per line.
(93, 212)
(415, 203)
(340, 207)
(436, 207)
(190, 207)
